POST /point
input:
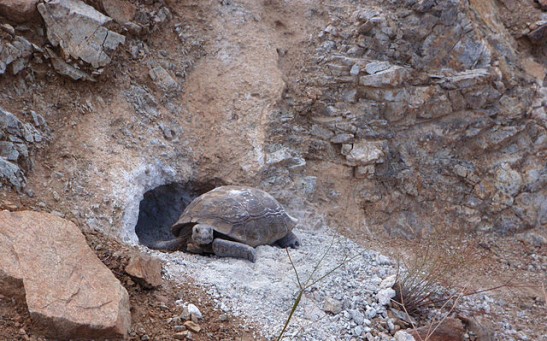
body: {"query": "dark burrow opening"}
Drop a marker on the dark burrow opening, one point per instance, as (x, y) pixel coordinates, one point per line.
(161, 207)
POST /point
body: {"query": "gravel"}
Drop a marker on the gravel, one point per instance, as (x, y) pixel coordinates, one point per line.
(333, 269)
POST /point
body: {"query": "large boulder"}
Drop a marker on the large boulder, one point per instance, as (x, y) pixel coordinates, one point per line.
(69, 292)
(18, 10)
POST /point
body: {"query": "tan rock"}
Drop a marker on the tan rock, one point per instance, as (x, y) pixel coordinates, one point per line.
(18, 10)
(192, 326)
(119, 10)
(145, 270)
(69, 291)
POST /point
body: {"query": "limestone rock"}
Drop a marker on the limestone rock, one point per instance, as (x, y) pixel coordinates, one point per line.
(68, 290)
(145, 270)
(79, 29)
(384, 296)
(18, 11)
(364, 153)
(391, 77)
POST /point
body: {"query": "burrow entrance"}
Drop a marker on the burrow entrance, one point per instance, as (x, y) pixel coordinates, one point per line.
(161, 207)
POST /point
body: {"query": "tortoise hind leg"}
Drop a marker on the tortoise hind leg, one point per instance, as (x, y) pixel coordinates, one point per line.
(226, 248)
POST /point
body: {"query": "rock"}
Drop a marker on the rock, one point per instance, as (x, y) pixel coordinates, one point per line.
(162, 78)
(192, 326)
(384, 296)
(79, 29)
(15, 54)
(508, 181)
(18, 11)
(365, 152)
(533, 238)
(370, 313)
(145, 270)
(332, 306)
(181, 335)
(539, 35)
(68, 70)
(193, 310)
(121, 11)
(12, 174)
(449, 329)
(357, 316)
(392, 77)
(342, 138)
(69, 292)
(376, 67)
(388, 282)
(402, 335)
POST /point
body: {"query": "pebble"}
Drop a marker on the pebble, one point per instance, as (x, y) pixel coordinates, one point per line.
(192, 326)
(181, 335)
(370, 313)
(357, 316)
(332, 305)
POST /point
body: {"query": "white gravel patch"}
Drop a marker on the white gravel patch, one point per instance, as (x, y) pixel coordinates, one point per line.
(339, 307)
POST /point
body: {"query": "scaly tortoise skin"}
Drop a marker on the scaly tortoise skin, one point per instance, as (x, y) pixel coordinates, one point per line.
(230, 221)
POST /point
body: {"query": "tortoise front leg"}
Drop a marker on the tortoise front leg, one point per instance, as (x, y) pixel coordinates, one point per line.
(226, 248)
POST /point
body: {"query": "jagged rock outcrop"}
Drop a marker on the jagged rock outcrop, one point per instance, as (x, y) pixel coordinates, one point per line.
(17, 143)
(15, 51)
(441, 125)
(67, 289)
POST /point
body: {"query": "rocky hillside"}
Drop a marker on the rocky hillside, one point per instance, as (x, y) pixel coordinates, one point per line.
(386, 121)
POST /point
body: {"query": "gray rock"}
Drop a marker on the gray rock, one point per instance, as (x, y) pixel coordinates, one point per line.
(79, 29)
(377, 66)
(66, 69)
(370, 313)
(357, 316)
(8, 151)
(392, 77)
(342, 138)
(11, 173)
(365, 152)
(162, 78)
(402, 335)
(384, 296)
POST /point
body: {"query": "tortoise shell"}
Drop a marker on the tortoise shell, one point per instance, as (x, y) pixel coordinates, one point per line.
(247, 215)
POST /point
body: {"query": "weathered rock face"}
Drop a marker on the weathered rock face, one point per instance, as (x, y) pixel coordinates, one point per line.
(18, 10)
(79, 29)
(67, 288)
(440, 125)
(15, 51)
(17, 143)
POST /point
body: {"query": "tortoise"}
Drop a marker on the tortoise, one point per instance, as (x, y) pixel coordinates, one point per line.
(230, 221)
